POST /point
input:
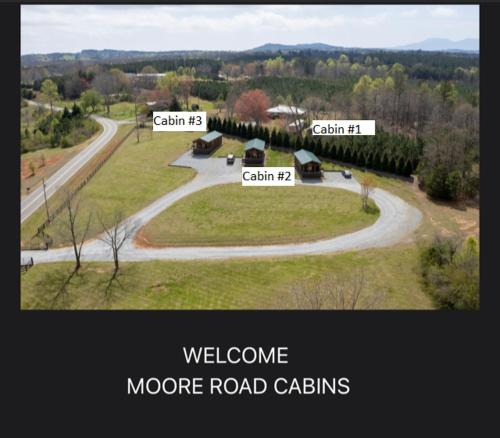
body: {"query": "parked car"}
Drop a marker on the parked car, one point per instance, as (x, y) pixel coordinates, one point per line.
(230, 159)
(347, 173)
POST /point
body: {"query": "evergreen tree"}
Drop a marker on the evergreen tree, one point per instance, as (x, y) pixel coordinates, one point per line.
(266, 136)
(392, 165)
(306, 143)
(286, 140)
(279, 139)
(224, 126)
(369, 161)
(333, 152)
(376, 164)
(243, 130)
(408, 168)
(232, 127)
(347, 156)
(384, 163)
(250, 130)
(209, 124)
(273, 137)
(76, 111)
(298, 143)
(361, 160)
(175, 105)
(340, 154)
(65, 114)
(354, 158)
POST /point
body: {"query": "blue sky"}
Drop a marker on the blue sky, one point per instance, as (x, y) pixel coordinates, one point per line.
(71, 28)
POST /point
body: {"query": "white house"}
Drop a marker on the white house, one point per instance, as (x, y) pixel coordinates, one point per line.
(285, 111)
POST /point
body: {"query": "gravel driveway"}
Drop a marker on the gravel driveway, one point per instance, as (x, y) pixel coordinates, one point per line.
(396, 221)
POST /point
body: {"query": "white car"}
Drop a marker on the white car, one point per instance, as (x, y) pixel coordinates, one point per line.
(230, 159)
(347, 173)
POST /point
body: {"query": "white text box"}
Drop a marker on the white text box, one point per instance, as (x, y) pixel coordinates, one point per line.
(179, 121)
(343, 127)
(268, 176)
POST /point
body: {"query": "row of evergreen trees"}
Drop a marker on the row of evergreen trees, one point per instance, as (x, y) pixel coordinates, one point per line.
(394, 153)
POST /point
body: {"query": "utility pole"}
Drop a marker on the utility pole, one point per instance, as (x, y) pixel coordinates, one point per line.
(45, 197)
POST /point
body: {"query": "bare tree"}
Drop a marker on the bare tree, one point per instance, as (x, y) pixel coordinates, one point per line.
(331, 293)
(107, 84)
(115, 234)
(75, 226)
(367, 186)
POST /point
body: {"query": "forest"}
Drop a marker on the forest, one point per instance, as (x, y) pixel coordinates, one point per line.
(425, 104)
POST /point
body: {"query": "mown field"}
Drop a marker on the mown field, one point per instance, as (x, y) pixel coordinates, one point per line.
(256, 283)
(391, 274)
(230, 214)
(136, 175)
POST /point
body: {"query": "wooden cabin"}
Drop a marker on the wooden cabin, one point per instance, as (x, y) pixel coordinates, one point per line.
(254, 152)
(208, 143)
(307, 164)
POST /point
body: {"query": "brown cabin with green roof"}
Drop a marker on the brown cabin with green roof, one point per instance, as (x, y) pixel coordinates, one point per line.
(254, 152)
(307, 164)
(208, 143)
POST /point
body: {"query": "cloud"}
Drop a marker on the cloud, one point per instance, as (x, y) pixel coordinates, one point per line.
(443, 11)
(409, 13)
(48, 28)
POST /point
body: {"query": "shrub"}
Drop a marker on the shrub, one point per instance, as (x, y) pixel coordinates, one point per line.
(450, 272)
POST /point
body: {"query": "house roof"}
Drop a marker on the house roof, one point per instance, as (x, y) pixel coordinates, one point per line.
(255, 143)
(286, 109)
(211, 136)
(305, 157)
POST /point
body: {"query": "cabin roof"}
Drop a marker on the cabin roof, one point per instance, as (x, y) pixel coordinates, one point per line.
(305, 157)
(211, 136)
(255, 143)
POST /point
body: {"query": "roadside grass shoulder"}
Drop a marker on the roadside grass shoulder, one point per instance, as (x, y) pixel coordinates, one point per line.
(55, 158)
(134, 176)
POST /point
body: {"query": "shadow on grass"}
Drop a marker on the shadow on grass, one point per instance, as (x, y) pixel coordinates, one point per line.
(53, 287)
(109, 288)
(61, 289)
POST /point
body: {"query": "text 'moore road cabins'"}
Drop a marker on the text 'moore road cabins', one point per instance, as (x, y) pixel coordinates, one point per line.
(307, 164)
(254, 152)
(208, 143)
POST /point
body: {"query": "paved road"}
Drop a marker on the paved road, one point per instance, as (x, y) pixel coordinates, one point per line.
(397, 221)
(35, 199)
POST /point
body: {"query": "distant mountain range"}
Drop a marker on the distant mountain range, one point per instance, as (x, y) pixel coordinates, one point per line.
(430, 44)
(443, 44)
(108, 55)
(271, 47)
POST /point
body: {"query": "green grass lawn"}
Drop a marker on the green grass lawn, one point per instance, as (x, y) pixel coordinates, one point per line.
(119, 111)
(205, 105)
(276, 158)
(136, 175)
(230, 214)
(230, 145)
(231, 284)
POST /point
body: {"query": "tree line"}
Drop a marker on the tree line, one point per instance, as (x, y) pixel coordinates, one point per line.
(394, 153)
